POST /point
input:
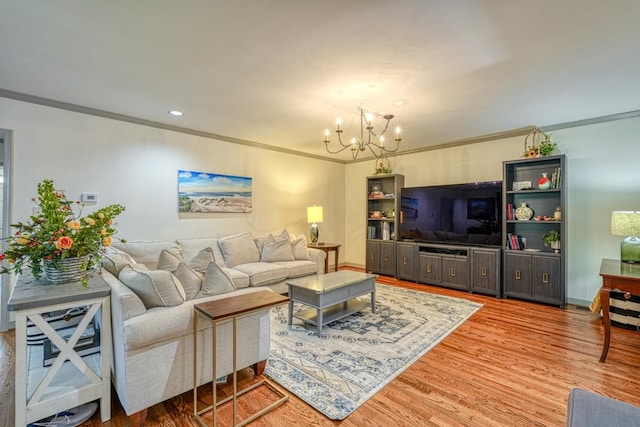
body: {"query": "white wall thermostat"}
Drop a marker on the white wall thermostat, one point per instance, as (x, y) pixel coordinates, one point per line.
(89, 198)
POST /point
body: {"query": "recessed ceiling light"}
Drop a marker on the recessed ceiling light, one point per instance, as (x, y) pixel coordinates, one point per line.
(176, 113)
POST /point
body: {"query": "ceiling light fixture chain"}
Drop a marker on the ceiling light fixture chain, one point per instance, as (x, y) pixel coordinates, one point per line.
(379, 150)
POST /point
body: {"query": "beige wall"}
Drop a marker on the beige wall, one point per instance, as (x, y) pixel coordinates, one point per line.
(137, 166)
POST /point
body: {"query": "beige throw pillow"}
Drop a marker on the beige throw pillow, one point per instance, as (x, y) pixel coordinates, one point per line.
(215, 282)
(190, 279)
(201, 261)
(115, 260)
(239, 249)
(274, 251)
(157, 288)
(168, 260)
(299, 247)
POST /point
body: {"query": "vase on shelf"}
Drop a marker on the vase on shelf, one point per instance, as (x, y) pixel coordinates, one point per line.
(523, 212)
(544, 183)
(67, 270)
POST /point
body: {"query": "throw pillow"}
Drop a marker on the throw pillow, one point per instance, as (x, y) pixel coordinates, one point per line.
(239, 249)
(190, 279)
(168, 260)
(215, 282)
(284, 235)
(201, 261)
(299, 247)
(157, 288)
(115, 260)
(276, 251)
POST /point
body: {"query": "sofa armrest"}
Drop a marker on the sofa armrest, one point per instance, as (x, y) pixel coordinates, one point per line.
(318, 257)
(125, 304)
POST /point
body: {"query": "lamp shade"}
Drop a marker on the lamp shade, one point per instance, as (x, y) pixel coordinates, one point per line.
(625, 223)
(314, 214)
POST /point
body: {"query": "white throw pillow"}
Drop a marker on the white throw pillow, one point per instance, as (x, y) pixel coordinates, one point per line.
(157, 288)
(201, 261)
(299, 247)
(276, 251)
(215, 282)
(115, 260)
(190, 279)
(239, 249)
(168, 260)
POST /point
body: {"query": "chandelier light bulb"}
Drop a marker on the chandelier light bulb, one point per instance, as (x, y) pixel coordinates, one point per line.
(369, 117)
(326, 135)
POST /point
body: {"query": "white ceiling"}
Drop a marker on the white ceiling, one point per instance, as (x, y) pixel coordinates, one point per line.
(279, 72)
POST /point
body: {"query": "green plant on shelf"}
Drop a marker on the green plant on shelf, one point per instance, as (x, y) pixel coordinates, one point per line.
(551, 237)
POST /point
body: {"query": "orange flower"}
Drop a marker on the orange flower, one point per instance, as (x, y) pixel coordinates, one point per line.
(23, 241)
(106, 241)
(64, 242)
(103, 231)
(532, 153)
(90, 221)
(100, 215)
(74, 225)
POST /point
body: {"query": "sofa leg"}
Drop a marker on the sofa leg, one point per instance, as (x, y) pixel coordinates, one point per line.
(258, 368)
(138, 419)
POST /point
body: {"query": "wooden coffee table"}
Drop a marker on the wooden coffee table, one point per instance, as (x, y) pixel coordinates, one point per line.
(332, 296)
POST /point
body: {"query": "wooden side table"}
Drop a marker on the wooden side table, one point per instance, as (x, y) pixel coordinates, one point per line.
(615, 275)
(328, 247)
(223, 310)
(44, 391)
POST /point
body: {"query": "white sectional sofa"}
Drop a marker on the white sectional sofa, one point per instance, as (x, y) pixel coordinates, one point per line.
(152, 303)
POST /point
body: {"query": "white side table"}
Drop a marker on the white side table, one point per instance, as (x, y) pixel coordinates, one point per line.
(71, 380)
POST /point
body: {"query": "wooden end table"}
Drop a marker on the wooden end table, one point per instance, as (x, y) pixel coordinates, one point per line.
(618, 275)
(327, 247)
(218, 311)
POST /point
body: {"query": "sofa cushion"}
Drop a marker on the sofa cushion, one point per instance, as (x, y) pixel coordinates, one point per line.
(299, 248)
(215, 282)
(190, 279)
(276, 250)
(147, 252)
(263, 273)
(168, 260)
(115, 260)
(201, 261)
(240, 279)
(191, 247)
(299, 268)
(239, 249)
(156, 288)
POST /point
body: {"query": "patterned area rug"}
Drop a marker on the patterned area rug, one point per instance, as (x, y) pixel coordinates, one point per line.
(358, 355)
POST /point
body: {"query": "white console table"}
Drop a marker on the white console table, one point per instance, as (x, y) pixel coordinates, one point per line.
(71, 380)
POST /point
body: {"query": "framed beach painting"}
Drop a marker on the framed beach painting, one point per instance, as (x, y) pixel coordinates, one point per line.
(210, 192)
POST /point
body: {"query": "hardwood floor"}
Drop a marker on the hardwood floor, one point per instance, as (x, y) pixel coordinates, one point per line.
(512, 363)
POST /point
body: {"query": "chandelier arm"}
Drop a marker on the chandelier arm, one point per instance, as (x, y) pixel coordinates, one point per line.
(335, 152)
(385, 149)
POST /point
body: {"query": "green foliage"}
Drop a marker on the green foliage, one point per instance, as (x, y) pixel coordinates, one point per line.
(57, 233)
(550, 237)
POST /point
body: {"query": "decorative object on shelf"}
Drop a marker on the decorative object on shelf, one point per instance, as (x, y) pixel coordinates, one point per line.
(544, 183)
(379, 150)
(627, 223)
(314, 215)
(382, 166)
(557, 214)
(523, 212)
(375, 192)
(533, 147)
(552, 239)
(522, 185)
(59, 239)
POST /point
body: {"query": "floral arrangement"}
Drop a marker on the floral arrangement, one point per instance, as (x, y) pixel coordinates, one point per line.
(544, 148)
(57, 233)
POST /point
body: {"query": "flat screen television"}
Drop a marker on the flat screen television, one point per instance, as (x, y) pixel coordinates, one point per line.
(462, 214)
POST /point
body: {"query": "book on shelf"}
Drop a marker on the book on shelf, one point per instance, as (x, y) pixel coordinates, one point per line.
(510, 211)
(516, 242)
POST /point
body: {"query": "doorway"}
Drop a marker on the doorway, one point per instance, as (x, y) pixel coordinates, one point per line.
(5, 219)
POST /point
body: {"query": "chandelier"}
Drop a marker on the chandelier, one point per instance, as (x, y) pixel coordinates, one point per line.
(378, 149)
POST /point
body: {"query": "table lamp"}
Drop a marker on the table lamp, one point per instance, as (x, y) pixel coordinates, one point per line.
(627, 223)
(314, 215)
